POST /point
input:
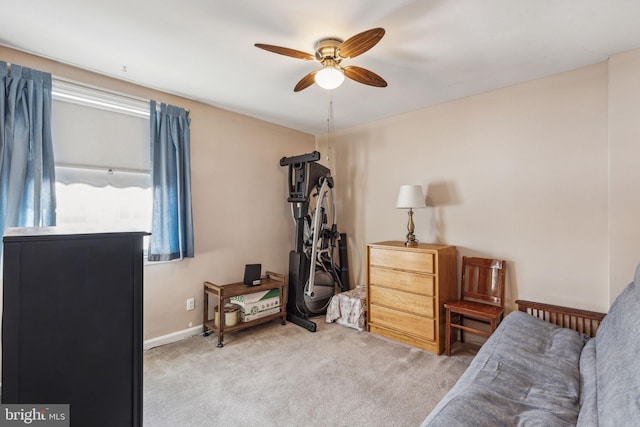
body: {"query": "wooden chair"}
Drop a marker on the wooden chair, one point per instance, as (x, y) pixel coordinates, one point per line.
(482, 298)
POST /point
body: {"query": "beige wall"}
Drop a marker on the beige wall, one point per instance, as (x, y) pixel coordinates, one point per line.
(239, 199)
(519, 173)
(624, 152)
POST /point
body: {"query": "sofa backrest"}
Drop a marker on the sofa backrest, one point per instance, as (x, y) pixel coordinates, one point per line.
(618, 359)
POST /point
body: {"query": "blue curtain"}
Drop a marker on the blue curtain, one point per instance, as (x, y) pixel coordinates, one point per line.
(172, 222)
(27, 172)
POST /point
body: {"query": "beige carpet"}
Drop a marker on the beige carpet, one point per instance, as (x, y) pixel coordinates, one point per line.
(274, 375)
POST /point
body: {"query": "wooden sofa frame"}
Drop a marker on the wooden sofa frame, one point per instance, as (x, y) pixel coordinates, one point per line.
(582, 321)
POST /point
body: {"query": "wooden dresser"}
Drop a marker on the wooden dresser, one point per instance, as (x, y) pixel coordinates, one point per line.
(406, 290)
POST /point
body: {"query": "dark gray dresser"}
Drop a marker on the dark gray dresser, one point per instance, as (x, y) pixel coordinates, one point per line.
(72, 323)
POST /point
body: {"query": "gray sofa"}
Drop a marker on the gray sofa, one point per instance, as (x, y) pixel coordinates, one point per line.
(534, 373)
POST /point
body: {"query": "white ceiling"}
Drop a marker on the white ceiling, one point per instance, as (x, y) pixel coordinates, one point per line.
(433, 51)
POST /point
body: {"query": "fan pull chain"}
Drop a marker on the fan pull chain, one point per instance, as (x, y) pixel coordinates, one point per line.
(330, 125)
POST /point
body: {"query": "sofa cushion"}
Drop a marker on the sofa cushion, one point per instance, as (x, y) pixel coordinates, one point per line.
(588, 415)
(618, 359)
(525, 374)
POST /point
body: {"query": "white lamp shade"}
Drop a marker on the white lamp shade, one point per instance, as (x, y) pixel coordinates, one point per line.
(329, 78)
(410, 196)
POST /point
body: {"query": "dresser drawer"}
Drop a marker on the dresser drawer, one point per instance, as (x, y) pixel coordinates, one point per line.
(405, 322)
(423, 284)
(403, 260)
(421, 305)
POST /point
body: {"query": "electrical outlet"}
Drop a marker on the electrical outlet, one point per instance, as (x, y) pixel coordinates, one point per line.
(191, 304)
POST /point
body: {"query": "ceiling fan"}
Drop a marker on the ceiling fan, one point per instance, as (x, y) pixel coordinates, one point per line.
(330, 52)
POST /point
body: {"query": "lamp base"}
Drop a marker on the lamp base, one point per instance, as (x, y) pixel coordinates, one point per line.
(411, 240)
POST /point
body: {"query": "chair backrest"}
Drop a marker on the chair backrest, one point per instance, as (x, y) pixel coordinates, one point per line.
(483, 280)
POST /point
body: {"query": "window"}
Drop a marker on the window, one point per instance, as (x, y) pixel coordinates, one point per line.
(103, 162)
(103, 208)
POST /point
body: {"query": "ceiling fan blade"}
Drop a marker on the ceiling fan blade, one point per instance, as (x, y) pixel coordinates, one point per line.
(286, 51)
(364, 76)
(306, 81)
(360, 43)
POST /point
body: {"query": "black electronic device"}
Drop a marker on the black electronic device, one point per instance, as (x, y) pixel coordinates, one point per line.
(252, 274)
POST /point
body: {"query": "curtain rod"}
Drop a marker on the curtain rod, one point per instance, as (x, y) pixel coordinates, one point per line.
(69, 81)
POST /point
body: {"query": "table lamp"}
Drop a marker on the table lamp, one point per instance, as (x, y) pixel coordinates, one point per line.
(410, 197)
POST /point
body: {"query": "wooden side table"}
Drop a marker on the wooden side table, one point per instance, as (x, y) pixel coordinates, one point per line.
(222, 293)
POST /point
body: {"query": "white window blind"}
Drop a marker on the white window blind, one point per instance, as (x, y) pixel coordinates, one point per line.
(102, 154)
(100, 138)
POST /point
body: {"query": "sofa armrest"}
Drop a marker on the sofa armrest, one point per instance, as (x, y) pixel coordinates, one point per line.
(582, 321)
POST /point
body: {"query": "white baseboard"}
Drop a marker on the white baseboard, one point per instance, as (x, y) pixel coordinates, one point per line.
(172, 337)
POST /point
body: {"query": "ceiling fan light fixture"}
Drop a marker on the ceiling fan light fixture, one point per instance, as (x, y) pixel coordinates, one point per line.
(330, 77)
(330, 52)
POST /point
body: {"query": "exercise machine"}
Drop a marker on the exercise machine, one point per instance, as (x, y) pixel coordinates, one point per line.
(314, 273)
